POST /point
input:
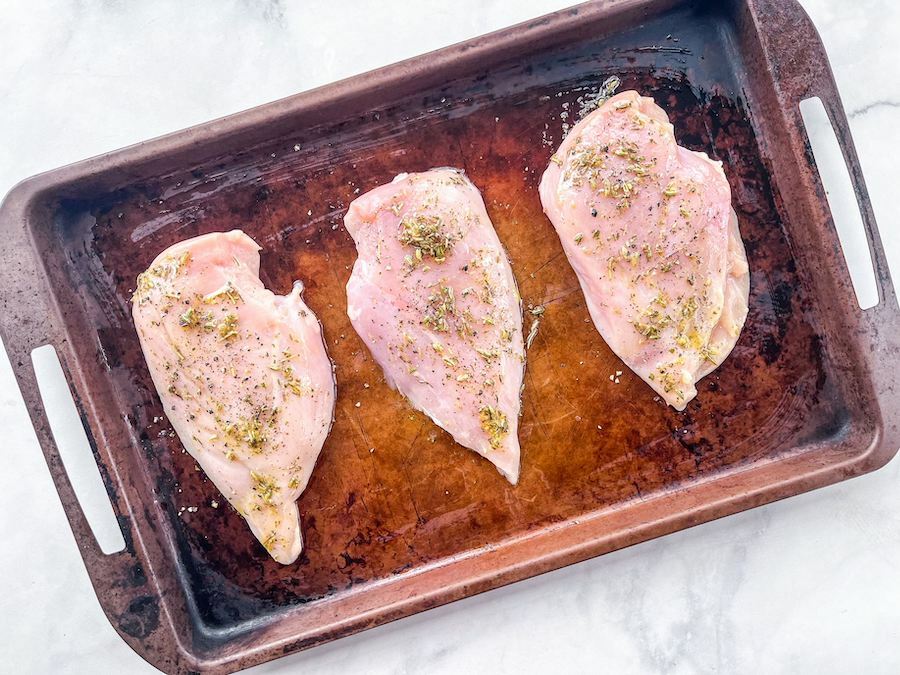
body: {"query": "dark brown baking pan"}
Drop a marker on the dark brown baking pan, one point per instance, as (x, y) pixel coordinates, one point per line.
(397, 518)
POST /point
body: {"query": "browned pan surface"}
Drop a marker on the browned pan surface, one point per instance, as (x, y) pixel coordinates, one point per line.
(392, 494)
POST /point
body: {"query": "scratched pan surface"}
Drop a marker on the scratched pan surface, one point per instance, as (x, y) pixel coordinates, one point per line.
(398, 518)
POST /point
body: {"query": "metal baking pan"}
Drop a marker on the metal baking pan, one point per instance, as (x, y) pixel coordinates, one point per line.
(807, 398)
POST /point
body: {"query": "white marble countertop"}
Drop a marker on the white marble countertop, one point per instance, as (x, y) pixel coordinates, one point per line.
(810, 584)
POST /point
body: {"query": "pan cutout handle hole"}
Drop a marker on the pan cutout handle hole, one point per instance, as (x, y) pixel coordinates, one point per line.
(75, 449)
(842, 200)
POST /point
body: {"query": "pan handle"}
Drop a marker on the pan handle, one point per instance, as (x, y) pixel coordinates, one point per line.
(78, 449)
(125, 583)
(835, 109)
(800, 69)
(28, 320)
(795, 58)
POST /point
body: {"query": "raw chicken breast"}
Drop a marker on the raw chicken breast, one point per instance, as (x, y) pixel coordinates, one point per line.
(648, 227)
(243, 376)
(433, 296)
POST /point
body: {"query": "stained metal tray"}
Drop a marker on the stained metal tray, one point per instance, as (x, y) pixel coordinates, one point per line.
(807, 398)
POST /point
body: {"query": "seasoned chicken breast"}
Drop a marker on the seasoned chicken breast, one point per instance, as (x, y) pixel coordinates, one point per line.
(433, 296)
(648, 228)
(243, 376)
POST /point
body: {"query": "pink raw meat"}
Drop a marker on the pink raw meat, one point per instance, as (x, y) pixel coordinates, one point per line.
(433, 296)
(648, 228)
(243, 377)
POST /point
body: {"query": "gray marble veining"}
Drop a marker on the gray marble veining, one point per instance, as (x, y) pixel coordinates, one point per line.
(806, 585)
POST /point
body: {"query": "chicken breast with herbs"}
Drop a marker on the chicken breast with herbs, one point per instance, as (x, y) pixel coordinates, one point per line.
(433, 296)
(243, 376)
(648, 227)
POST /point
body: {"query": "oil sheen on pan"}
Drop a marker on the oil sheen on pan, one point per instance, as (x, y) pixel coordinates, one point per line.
(243, 377)
(648, 227)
